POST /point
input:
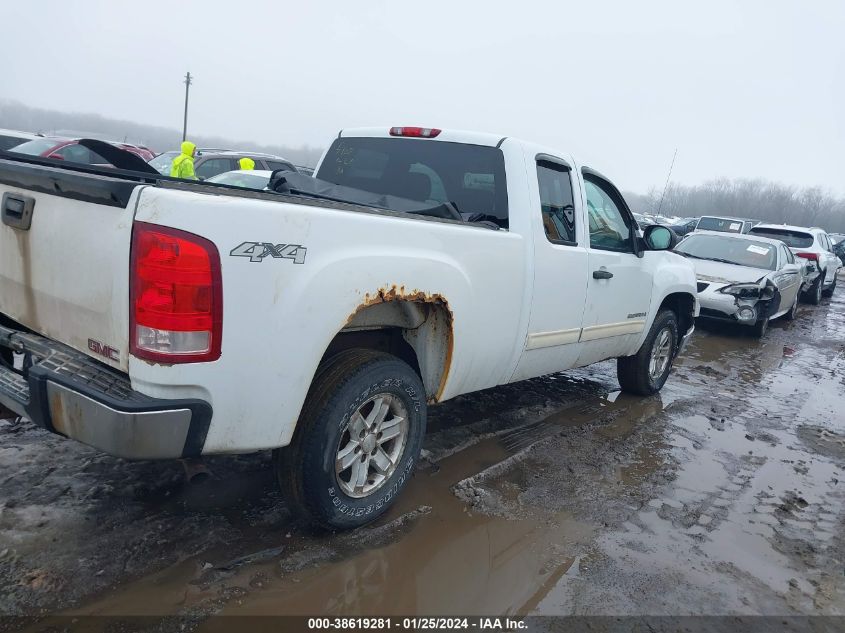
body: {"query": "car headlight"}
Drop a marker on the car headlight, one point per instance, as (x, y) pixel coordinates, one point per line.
(749, 291)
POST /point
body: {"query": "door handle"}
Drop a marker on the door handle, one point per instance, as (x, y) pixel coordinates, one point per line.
(602, 274)
(17, 210)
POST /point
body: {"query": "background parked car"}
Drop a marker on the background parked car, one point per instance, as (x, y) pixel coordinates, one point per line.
(838, 240)
(211, 162)
(61, 149)
(12, 138)
(644, 220)
(743, 279)
(683, 226)
(723, 224)
(812, 245)
(70, 150)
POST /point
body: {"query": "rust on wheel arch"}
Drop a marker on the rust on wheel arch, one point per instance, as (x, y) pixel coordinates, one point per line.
(433, 305)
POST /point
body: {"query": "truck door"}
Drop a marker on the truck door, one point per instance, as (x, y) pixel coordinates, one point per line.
(618, 283)
(560, 270)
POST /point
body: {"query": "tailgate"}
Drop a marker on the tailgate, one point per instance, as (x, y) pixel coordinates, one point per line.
(64, 256)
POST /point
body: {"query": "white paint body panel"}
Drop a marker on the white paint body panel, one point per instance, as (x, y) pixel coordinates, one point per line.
(67, 277)
(520, 304)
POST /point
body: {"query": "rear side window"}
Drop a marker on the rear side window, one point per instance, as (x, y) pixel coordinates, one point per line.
(793, 239)
(556, 203)
(470, 177)
(214, 166)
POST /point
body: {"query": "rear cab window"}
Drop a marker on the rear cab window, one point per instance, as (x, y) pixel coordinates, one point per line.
(793, 239)
(470, 177)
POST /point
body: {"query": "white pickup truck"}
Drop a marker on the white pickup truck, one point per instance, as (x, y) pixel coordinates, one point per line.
(154, 318)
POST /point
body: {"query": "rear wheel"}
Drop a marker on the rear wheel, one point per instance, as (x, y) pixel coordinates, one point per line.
(829, 291)
(814, 294)
(357, 441)
(646, 372)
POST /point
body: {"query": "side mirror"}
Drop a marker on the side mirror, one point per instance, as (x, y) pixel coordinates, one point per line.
(660, 238)
(56, 157)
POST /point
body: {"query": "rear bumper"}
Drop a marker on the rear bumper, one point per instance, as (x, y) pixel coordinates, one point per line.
(70, 394)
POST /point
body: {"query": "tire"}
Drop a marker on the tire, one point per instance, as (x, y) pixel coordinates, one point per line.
(829, 291)
(350, 390)
(761, 327)
(634, 372)
(814, 295)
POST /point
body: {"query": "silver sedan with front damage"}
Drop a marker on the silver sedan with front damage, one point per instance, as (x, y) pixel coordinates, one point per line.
(743, 279)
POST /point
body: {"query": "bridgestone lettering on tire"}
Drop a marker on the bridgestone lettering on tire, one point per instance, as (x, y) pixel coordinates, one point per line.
(357, 441)
(645, 372)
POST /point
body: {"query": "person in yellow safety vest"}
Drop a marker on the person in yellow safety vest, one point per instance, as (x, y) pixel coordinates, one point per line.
(183, 164)
(246, 163)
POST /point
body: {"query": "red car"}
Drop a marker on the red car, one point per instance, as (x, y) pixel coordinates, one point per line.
(70, 150)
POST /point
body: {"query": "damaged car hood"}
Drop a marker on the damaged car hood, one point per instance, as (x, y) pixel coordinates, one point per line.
(719, 273)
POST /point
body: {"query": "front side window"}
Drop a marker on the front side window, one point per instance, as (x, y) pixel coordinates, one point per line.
(608, 229)
(556, 203)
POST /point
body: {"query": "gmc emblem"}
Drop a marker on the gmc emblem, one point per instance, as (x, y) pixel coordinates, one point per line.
(101, 349)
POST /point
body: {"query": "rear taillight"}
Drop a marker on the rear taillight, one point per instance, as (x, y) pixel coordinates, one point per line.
(418, 132)
(176, 296)
(812, 256)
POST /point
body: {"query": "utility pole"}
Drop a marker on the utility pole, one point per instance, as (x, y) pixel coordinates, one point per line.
(185, 124)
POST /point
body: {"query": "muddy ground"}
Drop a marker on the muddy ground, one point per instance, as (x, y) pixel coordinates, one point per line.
(722, 495)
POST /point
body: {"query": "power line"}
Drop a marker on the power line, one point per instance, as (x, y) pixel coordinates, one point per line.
(660, 206)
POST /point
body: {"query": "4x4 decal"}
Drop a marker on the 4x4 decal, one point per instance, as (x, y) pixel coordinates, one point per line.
(257, 251)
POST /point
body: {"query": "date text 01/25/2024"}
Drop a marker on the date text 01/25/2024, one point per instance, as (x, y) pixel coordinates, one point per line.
(416, 623)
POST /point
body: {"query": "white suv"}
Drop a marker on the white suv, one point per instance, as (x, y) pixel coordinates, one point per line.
(813, 245)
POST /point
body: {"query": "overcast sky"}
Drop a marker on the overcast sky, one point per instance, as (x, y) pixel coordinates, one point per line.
(742, 89)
